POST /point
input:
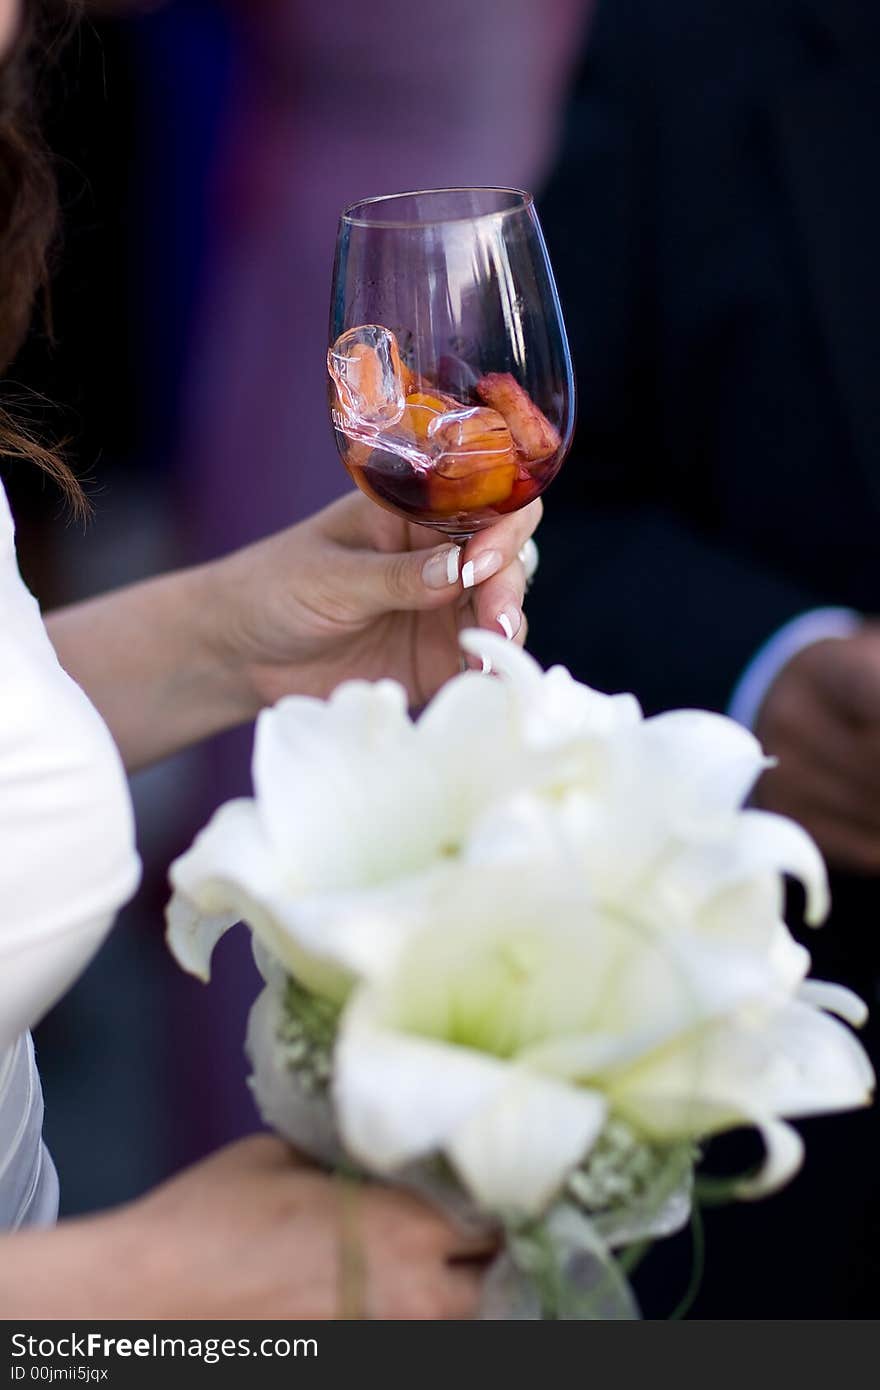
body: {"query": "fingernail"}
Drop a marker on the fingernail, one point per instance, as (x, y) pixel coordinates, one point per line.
(486, 666)
(441, 568)
(489, 562)
(510, 622)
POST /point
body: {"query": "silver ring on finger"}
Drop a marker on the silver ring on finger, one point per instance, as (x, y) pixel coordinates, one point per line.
(529, 559)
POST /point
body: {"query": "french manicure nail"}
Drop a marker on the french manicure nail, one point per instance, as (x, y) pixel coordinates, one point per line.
(441, 568)
(489, 562)
(510, 622)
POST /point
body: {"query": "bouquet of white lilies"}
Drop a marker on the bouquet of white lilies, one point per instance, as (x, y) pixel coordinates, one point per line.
(524, 954)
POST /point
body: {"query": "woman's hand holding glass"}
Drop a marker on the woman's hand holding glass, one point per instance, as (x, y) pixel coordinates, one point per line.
(352, 592)
(359, 592)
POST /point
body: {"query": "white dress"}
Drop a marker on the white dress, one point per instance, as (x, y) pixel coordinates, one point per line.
(67, 864)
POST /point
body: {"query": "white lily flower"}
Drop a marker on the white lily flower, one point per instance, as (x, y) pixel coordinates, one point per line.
(754, 1067)
(554, 706)
(706, 764)
(539, 910)
(651, 809)
(729, 887)
(355, 805)
(699, 767)
(522, 1012)
(353, 802)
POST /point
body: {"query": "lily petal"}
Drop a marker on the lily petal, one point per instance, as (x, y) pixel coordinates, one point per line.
(793, 1063)
(230, 875)
(555, 708)
(709, 763)
(764, 841)
(398, 1097)
(750, 913)
(214, 882)
(509, 660)
(344, 791)
(783, 1156)
(512, 1136)
(469, 732)
(835, 999)
(515, 1153)
(191, 936)
(754, 844)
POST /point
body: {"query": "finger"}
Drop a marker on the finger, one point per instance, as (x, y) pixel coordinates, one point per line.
(493, 549)
(845, 756)
(468, 1243)
(798, 722)
(437, 1233)
(849, 838)
(848, 675)
(403, 581)
(461, 1291)
(798, 786)
(419, 579)
(846, 846)
(498, 604)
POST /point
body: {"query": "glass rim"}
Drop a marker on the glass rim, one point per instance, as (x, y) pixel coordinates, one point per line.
(348, 216)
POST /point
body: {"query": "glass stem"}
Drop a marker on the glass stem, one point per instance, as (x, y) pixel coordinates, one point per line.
(465, 616)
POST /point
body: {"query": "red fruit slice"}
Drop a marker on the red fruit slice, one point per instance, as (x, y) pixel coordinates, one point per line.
(532, 432)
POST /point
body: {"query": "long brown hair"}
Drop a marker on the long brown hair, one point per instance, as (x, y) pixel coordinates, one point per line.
(28, 216)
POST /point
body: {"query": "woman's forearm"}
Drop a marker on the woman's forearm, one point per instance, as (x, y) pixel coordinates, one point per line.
(36, 1268)
(79, 1269)
(151, 658)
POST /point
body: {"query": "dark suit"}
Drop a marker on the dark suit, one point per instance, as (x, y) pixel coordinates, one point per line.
(714, 222)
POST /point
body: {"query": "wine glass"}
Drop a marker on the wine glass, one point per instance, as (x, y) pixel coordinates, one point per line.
(451, 387)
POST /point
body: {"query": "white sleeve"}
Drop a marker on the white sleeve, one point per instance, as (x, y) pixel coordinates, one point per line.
(817, 625)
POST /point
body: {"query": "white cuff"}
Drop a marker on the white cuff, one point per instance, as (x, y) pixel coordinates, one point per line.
(815, 626)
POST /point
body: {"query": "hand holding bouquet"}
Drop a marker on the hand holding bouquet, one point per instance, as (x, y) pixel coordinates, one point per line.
(523, 955)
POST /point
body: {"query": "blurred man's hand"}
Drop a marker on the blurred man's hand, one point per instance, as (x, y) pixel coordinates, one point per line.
(821, 719)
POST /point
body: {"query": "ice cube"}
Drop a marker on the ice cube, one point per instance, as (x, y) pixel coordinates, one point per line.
(365, 366)
(408, 439)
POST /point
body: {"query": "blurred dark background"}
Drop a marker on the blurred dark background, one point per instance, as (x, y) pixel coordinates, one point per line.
(713, 219)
